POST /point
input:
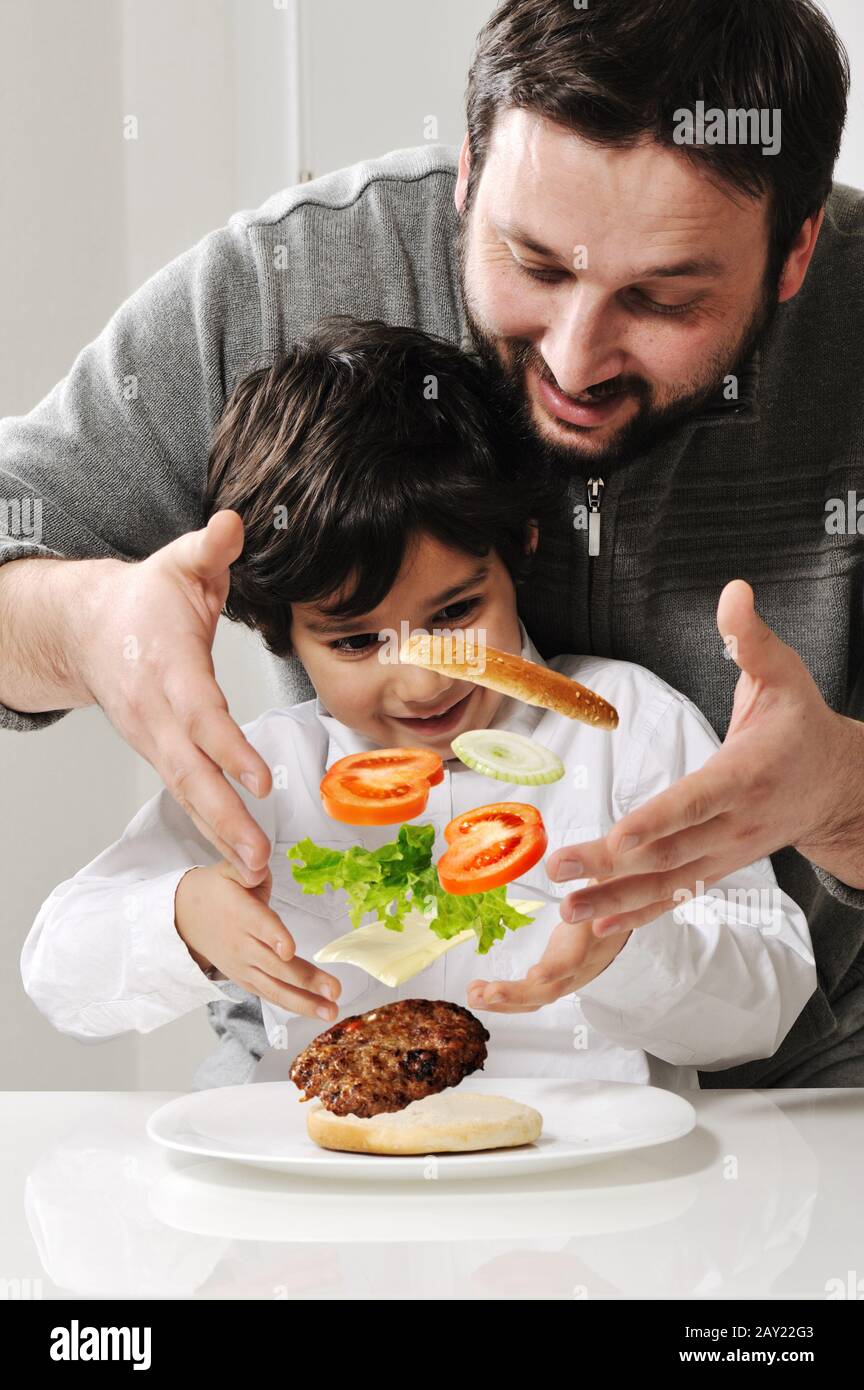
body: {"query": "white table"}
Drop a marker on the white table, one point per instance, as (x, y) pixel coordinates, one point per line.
(762, 1200)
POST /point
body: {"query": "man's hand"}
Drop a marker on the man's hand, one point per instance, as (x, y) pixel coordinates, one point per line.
(227, 925)
(145, 642)
(572, 958)
(790, 772)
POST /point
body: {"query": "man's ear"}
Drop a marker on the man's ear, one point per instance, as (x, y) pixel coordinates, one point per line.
(461, 188)
(533, 538)
(799, 258)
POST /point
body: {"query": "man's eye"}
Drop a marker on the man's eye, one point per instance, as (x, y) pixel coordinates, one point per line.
(551, 276)
(546, 277)
(365, 639)
(466, 605)
(645, 302)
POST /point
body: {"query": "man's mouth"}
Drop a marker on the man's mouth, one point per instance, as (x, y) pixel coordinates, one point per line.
(588, 411)
(441, 722)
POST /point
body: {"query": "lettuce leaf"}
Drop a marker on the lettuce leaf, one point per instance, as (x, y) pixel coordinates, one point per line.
(399, 876)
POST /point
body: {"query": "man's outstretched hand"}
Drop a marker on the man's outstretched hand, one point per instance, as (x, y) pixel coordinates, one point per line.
(147, 661)
(790, 772)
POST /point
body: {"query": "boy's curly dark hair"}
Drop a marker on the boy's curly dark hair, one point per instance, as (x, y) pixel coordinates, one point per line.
(360, 438)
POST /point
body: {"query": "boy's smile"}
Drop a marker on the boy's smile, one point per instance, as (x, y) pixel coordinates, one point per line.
(449, 715)
(356, 670)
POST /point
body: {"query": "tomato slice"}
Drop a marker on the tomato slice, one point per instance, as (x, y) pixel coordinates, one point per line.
(382, 787)
(491, 845)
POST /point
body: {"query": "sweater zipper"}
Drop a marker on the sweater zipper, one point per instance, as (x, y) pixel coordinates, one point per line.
(595, 502)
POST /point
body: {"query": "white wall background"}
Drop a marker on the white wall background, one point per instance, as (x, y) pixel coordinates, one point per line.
(235, 98)
(848, 19)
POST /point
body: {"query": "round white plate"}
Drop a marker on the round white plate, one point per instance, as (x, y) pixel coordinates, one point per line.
(265, 1125)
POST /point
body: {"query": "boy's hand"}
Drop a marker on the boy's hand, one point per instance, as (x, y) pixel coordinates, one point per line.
(573, 957)
(229, 926)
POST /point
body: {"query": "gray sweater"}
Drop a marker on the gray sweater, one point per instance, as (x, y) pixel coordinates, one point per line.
(117, 452)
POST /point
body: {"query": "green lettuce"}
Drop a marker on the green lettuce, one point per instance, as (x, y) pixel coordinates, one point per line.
(398, 877)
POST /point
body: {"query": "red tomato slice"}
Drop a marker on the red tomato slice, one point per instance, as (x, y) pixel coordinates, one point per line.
(382, 787)
(490, 846)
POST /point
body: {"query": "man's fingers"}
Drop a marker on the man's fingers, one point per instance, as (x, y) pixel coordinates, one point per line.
(704, 875)
(243, 874)
(201, 790)
(223, 742)
(635, 891)
(689, 802)
(607, 924)
(676, 851)
(750, 642)
(201, 710)
(614, 926)
(262, 891)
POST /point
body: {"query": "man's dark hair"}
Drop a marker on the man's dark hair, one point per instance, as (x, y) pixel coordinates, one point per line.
(616, 72)
(345, 449)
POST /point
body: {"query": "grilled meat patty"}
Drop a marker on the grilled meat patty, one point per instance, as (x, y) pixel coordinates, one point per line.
(382, 1060)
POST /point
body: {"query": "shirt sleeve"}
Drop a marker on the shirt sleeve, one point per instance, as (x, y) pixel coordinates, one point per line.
(112, 462)
(103, 955)
(722, 977)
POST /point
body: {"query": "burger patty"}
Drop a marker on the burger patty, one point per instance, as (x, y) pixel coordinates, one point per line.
(382, 1060)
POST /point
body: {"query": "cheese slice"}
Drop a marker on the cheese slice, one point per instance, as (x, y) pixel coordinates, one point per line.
(396, 956)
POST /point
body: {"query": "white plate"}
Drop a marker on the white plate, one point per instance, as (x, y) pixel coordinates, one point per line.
(265, 1125)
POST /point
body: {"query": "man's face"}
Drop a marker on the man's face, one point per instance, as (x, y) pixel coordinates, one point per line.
(610, 292)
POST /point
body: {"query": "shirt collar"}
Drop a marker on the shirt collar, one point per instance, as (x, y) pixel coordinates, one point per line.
(512, 715)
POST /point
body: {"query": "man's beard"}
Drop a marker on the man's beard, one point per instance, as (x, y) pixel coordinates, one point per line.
(650, 424)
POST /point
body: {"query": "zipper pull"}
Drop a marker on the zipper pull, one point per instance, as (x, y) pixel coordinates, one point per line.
(595, 501)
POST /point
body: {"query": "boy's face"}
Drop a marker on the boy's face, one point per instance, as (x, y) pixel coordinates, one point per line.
(355, 669)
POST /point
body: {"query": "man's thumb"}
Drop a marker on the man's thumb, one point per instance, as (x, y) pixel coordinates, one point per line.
(211, 550)
(261, 890)
(749, 641)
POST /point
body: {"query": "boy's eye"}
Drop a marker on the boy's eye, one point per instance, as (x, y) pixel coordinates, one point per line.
(363, 639)
(465, 606)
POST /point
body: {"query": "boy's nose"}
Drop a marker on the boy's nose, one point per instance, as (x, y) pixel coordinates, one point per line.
(421, 692)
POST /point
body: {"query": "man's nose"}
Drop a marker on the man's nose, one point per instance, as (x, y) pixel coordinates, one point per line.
(580, 345)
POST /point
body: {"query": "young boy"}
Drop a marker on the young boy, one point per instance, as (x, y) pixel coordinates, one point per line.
(379, 486)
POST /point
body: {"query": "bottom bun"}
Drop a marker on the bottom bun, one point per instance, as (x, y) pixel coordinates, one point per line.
(452, 1122)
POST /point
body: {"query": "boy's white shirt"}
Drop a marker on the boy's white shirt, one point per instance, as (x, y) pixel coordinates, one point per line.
(719, 987)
